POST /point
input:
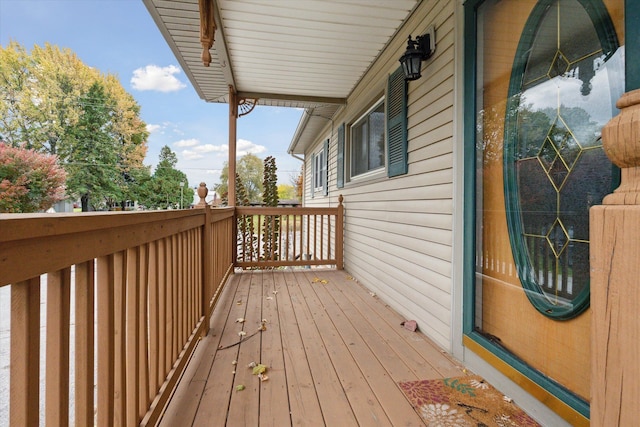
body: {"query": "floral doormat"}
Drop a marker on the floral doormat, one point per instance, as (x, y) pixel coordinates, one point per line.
(463, 401)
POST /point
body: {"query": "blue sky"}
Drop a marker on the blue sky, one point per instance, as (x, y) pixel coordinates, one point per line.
(119, 37)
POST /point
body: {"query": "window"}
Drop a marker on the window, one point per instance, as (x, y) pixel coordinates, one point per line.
(374, 131)
(319, 171)
(367, 141)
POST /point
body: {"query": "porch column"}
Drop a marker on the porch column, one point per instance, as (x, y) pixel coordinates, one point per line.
(615, 257)
(233, 120)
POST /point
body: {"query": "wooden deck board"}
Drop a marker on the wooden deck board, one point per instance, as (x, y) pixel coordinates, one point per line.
(335, 355)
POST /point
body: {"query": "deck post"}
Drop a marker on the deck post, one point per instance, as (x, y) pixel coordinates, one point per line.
(207, 266)
(340, 234)
(614, 252)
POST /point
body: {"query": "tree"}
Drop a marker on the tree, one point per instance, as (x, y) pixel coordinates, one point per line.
(29, 181)
(286, 192)
(93, 155)
(44, 96)
(250, 170)
(298, 183)
(40, 93)
(164, 189)
(271, 224)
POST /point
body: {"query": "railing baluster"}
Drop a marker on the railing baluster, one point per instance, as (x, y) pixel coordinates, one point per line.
(25, 353)
(106, 341)
(120, 332)
(57, 357)
(131, 364)
(143, 337)
(154, 319)
(322, 254)
(84, 342)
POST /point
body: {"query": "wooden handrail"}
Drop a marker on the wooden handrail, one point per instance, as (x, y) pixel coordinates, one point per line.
(154, 277)
(277, 237)
(144, 286)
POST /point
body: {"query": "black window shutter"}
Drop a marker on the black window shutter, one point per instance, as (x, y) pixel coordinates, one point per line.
(340, 158)
(397, 124)
(326, 168)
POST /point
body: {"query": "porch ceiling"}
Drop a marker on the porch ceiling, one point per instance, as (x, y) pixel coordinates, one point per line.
(302, 54)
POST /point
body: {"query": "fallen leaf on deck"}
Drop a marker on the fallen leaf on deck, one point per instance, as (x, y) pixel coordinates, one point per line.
(373, 294)
(259, 369)
(269, 297)
(318, 280)
(242, 333)
(239, 387)
(238, 302)
(251, 365)
(263, 377)
(240, 320)
(349, 278)
(275, 292)
(235, 362)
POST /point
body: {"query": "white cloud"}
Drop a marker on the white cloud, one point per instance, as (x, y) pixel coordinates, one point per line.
(153, 128)
(186, 143)
(161, 79)
(245, 147)
(191, 155)
(210, 148)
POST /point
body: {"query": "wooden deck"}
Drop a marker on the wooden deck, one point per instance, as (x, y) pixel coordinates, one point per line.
(334, 352)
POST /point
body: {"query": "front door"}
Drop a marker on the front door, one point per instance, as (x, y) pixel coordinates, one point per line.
(547, 76)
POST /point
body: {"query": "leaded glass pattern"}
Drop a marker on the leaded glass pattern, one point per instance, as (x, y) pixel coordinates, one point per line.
(555, 168)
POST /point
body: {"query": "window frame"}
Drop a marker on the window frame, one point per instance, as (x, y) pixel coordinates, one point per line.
(381, 101)
(320, 170)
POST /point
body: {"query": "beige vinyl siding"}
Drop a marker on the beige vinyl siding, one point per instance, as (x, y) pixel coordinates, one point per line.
(398, 231)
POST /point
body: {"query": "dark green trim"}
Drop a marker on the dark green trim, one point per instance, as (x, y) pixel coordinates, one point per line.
(340, 157)
(397, 156)
(469, 215)
(608, 40)
(632, 49)
(469, 251)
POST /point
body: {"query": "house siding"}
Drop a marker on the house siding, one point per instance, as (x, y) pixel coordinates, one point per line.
(398, 231)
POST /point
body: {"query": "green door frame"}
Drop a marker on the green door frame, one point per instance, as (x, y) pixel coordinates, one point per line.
(632, 82)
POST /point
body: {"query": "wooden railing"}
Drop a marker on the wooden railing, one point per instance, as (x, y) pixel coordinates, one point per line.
(128, 295)
(144, 282)
(275, 237)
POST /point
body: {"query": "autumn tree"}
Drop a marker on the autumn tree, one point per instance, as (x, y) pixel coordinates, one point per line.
(286, 192)
(44, 95)
(29, 181)
(250, 169)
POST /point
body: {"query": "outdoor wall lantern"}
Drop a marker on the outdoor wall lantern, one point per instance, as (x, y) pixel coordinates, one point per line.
(418, 50)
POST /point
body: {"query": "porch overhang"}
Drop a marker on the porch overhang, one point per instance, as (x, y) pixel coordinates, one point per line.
(307, 54)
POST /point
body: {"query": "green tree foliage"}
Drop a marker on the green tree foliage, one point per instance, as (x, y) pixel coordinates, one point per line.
(29, 181)
(164, 189)
(286, 192)
(92, 153)
(247, 240)
(46, 97)
(250, 170)
(271, 223)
